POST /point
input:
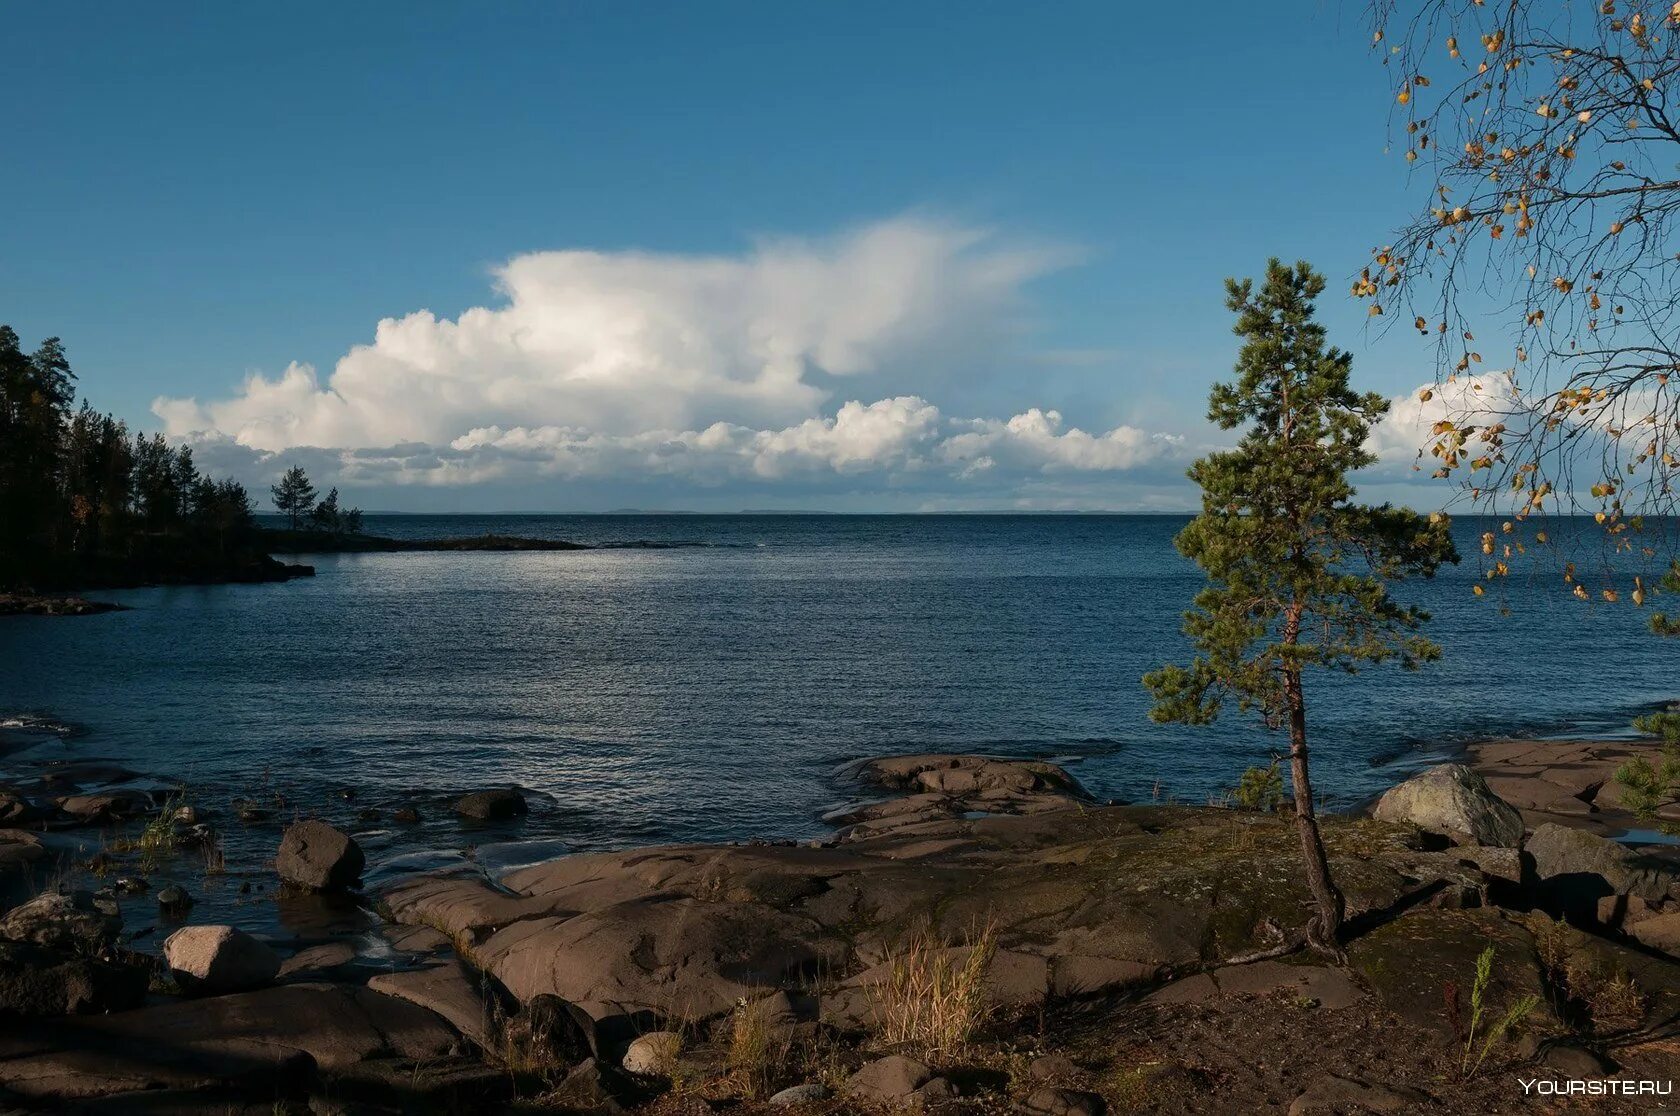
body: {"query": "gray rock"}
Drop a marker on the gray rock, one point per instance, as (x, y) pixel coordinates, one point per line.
(19, 848)
(1062, 1102)
(492, 805)
(565, 1033)
(61, 920)
(315, 855)
(1658, 932)
(591, 1087)
(653, 1054)
(174, 900)
(319, 959)
(1052, 1067)
(15, 809)
(219, 959)
(446, 990)
(271, 1040)
(36, 981)
(936, 1089)
(1453, 801)
(113, 806)
(1333, 1094)
(1577, 1061)
(1576, 869)
(800, 1094)
(889, 1079)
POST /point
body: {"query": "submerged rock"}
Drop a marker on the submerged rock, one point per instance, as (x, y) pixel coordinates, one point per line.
(492, 805)
(174, 900)
(315, 855)
(1455, 802)
(219, 959)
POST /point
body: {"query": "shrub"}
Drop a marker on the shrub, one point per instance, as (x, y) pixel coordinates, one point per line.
(1261, 788)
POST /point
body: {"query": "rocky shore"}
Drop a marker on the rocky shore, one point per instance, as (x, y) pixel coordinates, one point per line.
(975, 935)
(34, 604)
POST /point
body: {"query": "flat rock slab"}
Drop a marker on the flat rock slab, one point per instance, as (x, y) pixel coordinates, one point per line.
(1568, 781)
(1332, 988)
(1083, 902)
(447, 990)
(247, 1038)
(318, 959)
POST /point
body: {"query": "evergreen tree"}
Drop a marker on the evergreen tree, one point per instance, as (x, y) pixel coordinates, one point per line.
(36, 390)
(294, 496)
(84, 502)
(326, 516)
(1298, 574)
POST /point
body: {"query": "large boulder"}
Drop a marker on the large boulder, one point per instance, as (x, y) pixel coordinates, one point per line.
(492, 805)
(35, 981)
(1455, 802)
(315, 855)
(69, 920)
(219, 959)
(1576, 869)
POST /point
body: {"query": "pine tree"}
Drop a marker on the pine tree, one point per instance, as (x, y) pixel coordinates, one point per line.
(326, 516)
(294, 496)
(1298, 574)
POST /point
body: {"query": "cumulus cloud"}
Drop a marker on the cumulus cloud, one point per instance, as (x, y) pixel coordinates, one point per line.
(707, 370)
(622, 342)
(1468, 400)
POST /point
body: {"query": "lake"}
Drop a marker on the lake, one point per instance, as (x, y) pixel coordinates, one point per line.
(709, 687)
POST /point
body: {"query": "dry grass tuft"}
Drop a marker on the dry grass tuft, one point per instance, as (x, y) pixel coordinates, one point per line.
(934, 997)
(757, 1048)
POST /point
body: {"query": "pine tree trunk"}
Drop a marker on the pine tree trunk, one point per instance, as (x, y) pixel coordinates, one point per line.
(1324, 932)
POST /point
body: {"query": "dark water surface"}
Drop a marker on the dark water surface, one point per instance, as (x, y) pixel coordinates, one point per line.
(711, 691)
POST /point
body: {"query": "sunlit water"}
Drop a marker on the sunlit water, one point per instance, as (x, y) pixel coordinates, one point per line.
(711, 692)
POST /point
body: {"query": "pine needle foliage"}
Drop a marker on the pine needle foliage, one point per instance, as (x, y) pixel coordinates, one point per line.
(1298, 572)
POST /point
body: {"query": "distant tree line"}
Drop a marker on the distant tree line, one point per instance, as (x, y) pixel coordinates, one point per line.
(84, 501)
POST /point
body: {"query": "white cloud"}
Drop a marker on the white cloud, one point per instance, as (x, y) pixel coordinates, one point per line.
(1035, 440)
(628, 367)
(1468, 400)
(626, 342)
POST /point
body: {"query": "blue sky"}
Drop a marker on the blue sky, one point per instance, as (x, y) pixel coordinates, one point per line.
(995, 211)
